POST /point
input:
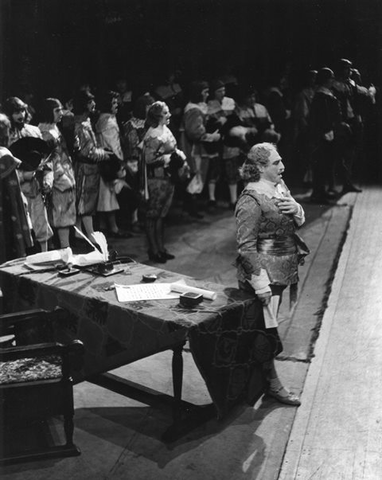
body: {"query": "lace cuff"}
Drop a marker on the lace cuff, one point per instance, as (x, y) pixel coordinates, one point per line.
(260, 283)
(299, 217)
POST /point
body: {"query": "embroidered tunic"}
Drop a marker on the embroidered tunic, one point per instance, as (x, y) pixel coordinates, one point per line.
(157, 145)
(86, 168)
(133, 133)
(107, 131)
(32, 189)
(62, 205)
(266, 240)
(15, 234)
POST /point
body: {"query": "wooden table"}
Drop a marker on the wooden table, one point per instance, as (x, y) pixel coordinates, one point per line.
(226, 335)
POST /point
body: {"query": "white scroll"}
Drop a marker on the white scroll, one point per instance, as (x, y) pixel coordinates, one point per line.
(182, 287)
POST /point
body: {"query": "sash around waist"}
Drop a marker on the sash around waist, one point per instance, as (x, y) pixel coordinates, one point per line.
(278, 246)
(85, 160)
(157, 172)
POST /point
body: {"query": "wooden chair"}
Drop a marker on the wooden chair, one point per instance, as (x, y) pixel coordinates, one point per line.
(28, 327)
(35, 385)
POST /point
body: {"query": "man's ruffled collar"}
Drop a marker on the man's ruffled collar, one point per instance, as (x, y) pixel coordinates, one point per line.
(270, 189)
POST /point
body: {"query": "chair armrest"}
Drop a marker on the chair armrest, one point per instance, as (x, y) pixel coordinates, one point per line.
(9, 320)
(19, 316)
(30, 326)
(14, 353)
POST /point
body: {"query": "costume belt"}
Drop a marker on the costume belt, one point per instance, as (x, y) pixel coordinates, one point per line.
(156, 172)
(85, 160)
(277, 246)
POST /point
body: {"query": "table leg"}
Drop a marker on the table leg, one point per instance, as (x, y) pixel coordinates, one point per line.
(186, 416)
(177, 380)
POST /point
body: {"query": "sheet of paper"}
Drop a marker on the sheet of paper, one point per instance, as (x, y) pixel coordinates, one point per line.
(270, 312)
(149, 291)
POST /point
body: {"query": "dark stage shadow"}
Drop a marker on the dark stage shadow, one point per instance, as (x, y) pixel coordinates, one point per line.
(140, 429)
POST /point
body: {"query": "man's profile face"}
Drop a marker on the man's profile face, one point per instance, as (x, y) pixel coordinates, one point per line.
(91, 106)
(219, 94)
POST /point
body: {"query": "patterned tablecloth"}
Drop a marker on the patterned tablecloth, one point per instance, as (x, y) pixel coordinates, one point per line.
(226, 335)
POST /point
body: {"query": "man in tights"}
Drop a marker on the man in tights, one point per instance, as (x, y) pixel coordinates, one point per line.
(348, 93)
(324, 118)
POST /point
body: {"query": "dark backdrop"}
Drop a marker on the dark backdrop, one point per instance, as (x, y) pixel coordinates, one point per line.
(50, 46)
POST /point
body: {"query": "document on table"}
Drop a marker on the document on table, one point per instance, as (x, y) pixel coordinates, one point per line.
(158, 291)
(134, 293)
(270, 312)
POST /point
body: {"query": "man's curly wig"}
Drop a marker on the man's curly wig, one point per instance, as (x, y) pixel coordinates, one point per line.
(258, 155)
